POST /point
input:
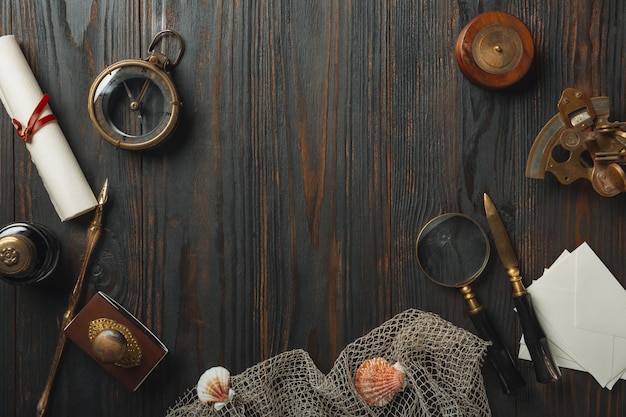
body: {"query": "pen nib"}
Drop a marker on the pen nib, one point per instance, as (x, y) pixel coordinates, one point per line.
(104, 193)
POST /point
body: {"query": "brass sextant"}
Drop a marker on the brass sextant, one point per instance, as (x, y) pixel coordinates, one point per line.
(580, 142)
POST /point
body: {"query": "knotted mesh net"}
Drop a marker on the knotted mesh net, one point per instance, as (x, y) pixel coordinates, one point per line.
(441, 361)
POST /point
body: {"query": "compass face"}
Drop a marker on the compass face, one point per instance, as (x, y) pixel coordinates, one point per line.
(134, 104)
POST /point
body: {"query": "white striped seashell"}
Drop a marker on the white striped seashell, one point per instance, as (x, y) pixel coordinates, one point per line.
(214, 387)
(377, 381)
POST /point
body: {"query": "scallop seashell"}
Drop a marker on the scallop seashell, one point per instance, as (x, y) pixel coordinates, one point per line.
(214, 387)
(377, 381)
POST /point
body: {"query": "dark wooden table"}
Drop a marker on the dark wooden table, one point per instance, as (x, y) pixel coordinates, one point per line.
(317, 138)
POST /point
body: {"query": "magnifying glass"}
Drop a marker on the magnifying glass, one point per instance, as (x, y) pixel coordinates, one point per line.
(453, 250)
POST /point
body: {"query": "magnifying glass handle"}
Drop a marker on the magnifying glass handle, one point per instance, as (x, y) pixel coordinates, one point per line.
(497, 353)
(536, 341)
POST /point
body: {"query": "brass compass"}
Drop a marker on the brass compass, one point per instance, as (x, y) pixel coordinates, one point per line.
(494, 50)
(134, 104)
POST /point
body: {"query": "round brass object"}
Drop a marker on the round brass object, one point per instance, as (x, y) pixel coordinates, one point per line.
(134, 104)
(113, 343)
(17, 255)
(109, 346)
(494, 50)
(29, 253)
(498, 49)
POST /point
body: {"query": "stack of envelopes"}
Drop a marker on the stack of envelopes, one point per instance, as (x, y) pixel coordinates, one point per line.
(582, 309)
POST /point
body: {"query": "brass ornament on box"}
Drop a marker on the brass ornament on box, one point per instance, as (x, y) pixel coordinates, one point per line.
(112, 342)
(134, 104)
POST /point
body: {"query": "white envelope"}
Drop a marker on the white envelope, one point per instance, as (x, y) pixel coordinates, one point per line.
(594, 311)
(562, 360)
(581, 308)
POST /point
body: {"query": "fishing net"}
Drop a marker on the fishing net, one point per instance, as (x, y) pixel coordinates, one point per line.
(441, 361)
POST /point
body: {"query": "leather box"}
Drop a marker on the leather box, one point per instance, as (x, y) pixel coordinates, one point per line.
(101, 306)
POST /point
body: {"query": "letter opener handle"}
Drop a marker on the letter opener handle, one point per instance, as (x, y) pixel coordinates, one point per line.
(536, 341)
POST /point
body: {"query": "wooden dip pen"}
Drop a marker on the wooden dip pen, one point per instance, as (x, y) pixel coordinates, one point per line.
(93, 235)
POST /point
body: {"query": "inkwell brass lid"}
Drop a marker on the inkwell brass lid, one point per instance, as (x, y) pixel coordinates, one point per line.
(17, 255)
(494, 50)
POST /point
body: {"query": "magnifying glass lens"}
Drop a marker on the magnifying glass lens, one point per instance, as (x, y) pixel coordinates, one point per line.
(452, 250)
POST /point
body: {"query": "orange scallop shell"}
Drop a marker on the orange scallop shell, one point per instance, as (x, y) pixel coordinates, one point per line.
(214, 387)
(377, 381)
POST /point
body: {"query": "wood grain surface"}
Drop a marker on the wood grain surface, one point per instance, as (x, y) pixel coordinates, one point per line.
(317, 137)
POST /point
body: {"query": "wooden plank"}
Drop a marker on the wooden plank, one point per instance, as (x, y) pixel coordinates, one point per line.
(8, 319)
(316, 139)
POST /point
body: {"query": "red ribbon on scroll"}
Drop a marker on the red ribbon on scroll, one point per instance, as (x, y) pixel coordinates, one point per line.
(34, 123)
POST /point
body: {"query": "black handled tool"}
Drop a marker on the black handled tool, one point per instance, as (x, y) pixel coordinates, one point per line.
(536, 341)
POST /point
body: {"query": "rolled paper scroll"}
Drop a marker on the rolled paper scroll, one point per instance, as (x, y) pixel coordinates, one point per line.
(56, 164)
